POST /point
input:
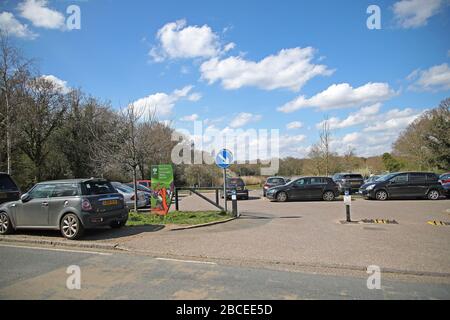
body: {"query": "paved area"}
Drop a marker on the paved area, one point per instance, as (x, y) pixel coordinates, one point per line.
(40, 273)
(298, 235)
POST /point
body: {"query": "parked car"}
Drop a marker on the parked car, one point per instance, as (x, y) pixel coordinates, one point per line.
(305, 188)
(128, 194)
(145, 183)
(239, 185)
(404, 185)
(348, 181)
(70, 206)
(446, 187)
(8, 189)
(147, 192)
(444, 178)
(273, 182)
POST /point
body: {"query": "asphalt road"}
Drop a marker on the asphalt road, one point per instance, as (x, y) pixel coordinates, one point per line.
(40, 273)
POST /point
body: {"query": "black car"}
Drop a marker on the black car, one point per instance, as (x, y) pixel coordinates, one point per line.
(274, 182)
(305, 188)
(348, 181)
(8, 189)
(446, 187)
(239, 185)
(404, 185)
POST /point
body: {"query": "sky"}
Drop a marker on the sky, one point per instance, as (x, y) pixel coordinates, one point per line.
(250, 64)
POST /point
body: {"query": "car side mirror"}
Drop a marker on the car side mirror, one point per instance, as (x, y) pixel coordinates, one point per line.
(25, 197)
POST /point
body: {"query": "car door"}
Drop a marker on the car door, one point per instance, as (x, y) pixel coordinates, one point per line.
(34, 211)
(298, 190)
(417, 184)
(398, 185)
(63, 195)
(315, 188)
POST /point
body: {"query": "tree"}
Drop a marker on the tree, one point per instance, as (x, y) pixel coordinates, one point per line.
(320, 152)
(390, 163)
(41, 113)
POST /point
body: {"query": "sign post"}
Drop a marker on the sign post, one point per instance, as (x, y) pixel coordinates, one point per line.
(162, 188)
(224, 158)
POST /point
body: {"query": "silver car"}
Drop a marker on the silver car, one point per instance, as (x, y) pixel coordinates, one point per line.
(128, 194)
(70, 206)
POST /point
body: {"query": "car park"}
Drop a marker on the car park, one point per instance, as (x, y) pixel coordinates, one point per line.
(404, 185)
(348, 181)
(9, 191)
(239, 185)
(305, 188)
(70, 206)
(444, 178)
(129, 195)
(273, 182)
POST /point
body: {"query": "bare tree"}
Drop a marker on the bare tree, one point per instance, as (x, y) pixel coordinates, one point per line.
(321, 151)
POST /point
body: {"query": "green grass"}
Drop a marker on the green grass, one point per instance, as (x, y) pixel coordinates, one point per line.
(176, 217)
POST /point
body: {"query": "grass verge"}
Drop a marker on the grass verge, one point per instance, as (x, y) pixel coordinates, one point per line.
(177, 217)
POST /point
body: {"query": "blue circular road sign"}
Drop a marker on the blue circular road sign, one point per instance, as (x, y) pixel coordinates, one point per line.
(224, 158)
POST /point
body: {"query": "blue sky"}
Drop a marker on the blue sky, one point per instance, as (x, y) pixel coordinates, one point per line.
(251, 64)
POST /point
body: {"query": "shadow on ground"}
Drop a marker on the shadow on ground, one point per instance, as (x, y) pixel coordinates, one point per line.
(106, 233)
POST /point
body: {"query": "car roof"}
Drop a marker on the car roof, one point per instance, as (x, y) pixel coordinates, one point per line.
(71, 181)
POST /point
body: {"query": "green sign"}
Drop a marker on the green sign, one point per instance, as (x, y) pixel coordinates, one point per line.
(162, 188)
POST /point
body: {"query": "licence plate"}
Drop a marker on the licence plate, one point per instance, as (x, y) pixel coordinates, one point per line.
(3, 195)
(110, 202)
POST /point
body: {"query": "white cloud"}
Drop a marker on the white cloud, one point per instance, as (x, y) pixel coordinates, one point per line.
(289, 68)
(395, 120)
(57, 82)
(244, 118)
(361, 116)
(190, 118)
(194, 96)
(294, 125)
(161, 104)
(40, 15)
(12, 26)
(415, 13)
(434, 78)
(340, 96)
(177, 40)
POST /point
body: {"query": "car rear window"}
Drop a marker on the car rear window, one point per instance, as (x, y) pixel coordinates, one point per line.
(353, 176)
(275, 180)
(236, 181)
(7, 184)
(92, 188)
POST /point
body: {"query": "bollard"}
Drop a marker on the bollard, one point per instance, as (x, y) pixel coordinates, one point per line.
(234, 203)
(347, 202)
(347, 210)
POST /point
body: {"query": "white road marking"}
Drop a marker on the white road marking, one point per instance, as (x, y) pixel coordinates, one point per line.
(59, 250)
(188, 261)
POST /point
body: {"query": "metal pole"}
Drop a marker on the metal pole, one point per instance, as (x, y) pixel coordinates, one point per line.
(177, 207)
(347, 212)
(225, 189)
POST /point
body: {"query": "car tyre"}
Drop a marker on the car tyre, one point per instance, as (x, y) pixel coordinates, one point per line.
(71, 227)
(282, 196)
(5, 224)
(433, 195)
(381, 195)
(328, 196)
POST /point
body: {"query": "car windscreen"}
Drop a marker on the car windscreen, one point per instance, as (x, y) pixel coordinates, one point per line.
(7, 184)
(275, 180)
(386, 177)
(92, 188)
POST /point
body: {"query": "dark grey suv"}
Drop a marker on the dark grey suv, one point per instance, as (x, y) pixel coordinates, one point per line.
(66, 205)
(8, 189)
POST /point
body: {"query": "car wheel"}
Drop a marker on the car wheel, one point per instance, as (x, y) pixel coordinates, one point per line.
(71, 227)
(328, 196)
(5, 224)
(381, 195)
(282, 197)
(433, 195)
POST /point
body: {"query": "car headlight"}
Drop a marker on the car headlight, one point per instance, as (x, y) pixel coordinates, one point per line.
(370, 187)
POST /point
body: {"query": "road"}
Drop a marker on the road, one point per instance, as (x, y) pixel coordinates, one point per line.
(40, 273)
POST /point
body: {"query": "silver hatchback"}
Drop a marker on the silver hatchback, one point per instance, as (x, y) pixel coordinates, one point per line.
(70, 206)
